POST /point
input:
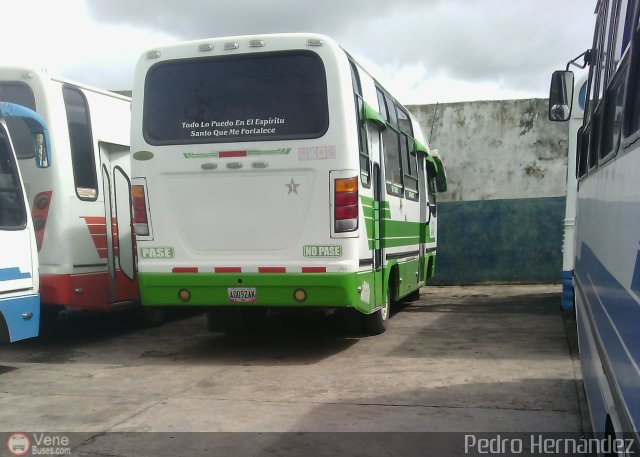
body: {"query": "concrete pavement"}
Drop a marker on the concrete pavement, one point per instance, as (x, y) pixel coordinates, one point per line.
(460, 359)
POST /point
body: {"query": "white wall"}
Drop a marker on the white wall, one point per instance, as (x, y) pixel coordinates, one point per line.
(498, 149)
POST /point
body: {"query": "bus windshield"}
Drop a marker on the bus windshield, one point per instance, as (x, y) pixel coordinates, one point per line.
(21, 94)
(249, 97)
(12, 210)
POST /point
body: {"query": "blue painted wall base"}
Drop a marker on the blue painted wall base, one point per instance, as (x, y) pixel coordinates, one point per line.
(518, 241)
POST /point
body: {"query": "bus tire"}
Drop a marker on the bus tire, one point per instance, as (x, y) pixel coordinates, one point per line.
(376, 322)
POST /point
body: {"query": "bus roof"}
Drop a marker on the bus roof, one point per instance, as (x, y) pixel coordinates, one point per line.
(27, 72)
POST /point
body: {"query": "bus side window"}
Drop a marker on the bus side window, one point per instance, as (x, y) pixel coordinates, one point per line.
(81, 141)
(631, 117)
(621, 18)
(363, 150)
(613, 114)
(582, 152)
(12, 211)
(408, 155)
(391, 142)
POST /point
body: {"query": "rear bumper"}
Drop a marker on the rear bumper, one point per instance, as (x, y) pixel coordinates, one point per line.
(324, 290)
(22, 316)
(88, 291)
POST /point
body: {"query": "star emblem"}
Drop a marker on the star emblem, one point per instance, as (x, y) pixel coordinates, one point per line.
(293, 187)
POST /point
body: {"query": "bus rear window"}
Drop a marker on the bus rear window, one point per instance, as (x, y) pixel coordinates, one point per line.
(249, 97)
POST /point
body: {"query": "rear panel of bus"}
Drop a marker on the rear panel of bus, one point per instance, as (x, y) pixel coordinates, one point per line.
(244, 160)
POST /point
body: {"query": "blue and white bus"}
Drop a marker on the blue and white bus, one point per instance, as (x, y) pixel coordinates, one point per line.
(19, 282)
(607, 232)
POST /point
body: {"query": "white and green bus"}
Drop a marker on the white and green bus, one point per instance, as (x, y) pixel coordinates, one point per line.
(273, 171)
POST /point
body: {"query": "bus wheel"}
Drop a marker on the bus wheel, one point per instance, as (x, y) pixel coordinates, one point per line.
(376, 323)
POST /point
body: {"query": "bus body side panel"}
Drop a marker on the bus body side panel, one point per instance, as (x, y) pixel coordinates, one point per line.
(607, 278)
(404, 228)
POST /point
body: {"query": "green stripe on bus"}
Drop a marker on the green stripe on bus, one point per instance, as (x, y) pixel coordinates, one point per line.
(399, 233)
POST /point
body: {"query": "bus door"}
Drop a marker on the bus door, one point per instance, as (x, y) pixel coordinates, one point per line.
(425, 216)
(116, 186)
(374, 136)
(378, 246)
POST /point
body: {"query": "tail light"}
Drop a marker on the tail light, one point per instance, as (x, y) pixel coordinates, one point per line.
(39, 214)
(139, 203)
(346, 204)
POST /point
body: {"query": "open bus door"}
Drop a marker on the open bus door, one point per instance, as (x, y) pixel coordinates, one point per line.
(378, 256)
(117, 204)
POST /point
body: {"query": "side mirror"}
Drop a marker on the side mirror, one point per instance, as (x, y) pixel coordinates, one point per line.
(561, 95)
(441, 182)
(436, 171)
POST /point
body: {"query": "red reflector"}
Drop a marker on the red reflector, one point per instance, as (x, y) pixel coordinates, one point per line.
(138, 204)
(223, 154)
(140, 218)
(347, 198)
(314, 269)
(184, 270)
(346, 212)
(272, 270)
(40, 212)
(227, 270)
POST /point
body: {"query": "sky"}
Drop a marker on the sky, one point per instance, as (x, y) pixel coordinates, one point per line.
(421, 51)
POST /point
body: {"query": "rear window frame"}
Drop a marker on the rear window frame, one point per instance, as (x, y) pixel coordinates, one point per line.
(239, 138)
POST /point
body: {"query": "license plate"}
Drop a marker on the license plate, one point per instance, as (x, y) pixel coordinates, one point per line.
(241, 294)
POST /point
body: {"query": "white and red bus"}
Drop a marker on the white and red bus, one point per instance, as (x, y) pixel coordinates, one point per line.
(80, 203)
